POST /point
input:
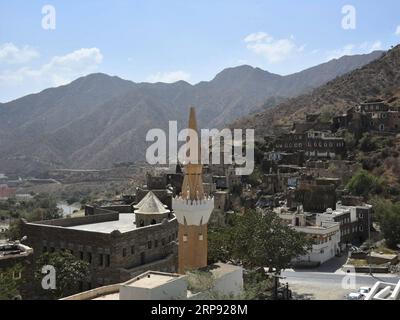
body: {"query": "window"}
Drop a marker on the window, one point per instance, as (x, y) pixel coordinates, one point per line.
(155, 243)
(107, 260)
(149, 244)
(44, 249)
(124, 252)
(81, 255)
(132, 249)
(163, 241)
(89, 257)
(101, 259)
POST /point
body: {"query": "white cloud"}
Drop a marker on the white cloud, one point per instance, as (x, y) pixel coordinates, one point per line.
(169, 77)
(58, 71)
(11, 54)
(258, 37)
(352, 49)
(397, 33)
(273, 50)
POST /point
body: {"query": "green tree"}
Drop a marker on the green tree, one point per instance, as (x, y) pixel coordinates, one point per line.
(258, 240)
(365, 184)
(69, 272)
(388, 216)
(9, 282)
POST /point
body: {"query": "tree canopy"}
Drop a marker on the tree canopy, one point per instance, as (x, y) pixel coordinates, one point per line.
(257, 240)
(69, 272)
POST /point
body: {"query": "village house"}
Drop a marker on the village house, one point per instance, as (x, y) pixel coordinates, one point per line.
(373, 116)
(325, 236)
(315, 144)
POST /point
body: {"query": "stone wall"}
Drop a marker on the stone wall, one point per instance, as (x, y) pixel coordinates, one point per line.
(108, 253)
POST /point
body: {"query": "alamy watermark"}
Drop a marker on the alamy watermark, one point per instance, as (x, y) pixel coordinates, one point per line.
(349, 20)
(238, 147)
(49, 280)
(49, 18)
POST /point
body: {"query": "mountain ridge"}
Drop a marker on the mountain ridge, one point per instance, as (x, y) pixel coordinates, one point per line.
(98, 120)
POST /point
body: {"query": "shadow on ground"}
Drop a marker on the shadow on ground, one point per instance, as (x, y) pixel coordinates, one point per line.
(332, 265)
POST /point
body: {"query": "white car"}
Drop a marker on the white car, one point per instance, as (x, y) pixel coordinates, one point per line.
(360, 295)
(364, 291)
(355, 296)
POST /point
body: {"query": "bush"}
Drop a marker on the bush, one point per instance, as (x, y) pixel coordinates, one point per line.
(365, 184)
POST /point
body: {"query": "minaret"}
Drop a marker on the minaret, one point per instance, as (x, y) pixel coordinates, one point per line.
(192, 209)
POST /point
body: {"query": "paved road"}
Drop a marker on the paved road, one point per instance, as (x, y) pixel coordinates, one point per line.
(329, 286)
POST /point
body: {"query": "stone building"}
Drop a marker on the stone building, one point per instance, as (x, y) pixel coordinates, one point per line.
(316, 194)
(15, 254)
(150, 211)
(111, 240)
(315, 144)
(370, 116)
(312, 122)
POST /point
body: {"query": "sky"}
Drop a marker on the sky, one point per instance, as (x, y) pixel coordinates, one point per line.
(50, 43)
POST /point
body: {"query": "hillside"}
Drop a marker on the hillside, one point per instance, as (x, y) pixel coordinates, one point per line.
(378, 79)
(99, 120)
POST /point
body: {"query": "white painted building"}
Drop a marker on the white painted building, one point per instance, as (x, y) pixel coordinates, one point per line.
(227, 281)
(325, 235)
(326, 239)
(384, 291)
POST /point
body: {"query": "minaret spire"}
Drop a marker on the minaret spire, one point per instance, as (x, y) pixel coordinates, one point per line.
(192, 208)
(192, 187)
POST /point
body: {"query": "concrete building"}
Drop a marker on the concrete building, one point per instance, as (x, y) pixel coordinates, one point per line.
(325, 236)
(384, 291)
(325, 242)
(227, 280)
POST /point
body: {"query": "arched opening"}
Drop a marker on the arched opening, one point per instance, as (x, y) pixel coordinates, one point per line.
(153, 221)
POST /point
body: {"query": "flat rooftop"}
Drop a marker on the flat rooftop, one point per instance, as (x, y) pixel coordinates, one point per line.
(125, 223)
(152, 280)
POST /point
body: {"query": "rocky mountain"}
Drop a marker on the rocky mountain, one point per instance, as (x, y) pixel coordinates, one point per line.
(99, 120)
(378, 79)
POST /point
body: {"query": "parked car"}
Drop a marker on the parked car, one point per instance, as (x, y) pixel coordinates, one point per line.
(364, 291)
(355, 296)
(360, 295)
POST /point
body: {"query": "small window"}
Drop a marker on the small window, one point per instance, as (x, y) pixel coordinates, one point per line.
(89, 257)
(124, 252)
(155, 243)
(101, 259)
(132, 249)
(107, 260)
(149, 244)
(81, 255)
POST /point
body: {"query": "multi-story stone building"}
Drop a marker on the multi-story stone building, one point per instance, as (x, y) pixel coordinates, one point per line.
(370, 116)
(118, 242)
(315, 144)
